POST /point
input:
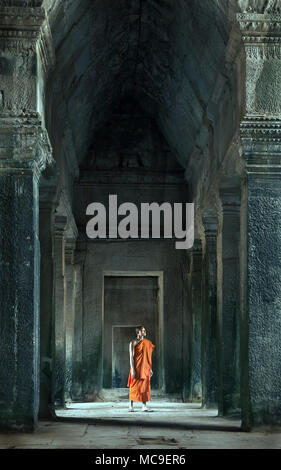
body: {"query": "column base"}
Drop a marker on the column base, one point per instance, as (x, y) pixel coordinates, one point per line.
(266, 413)
(10, 421)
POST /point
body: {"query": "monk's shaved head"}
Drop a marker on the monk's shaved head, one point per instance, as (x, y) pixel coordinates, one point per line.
(139, 328)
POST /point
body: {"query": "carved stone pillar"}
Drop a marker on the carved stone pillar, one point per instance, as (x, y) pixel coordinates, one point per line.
(261, 293)
(196, 301)
(59, 311)
(24, 152)
(47, 207)
(209, 314)
(229, 395)
(70, 279)
(186, 270)
(77, 347)
(46, 216)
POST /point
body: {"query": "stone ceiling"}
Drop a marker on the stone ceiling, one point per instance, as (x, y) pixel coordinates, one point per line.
(166, 54)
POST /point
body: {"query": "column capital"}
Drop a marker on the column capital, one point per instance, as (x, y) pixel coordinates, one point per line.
(60, 224)
(24, 144)
(26, 51)
(230, 198)
(20, 25)
(210, 223)
(257, 28)
(261, 35)
(261, 143)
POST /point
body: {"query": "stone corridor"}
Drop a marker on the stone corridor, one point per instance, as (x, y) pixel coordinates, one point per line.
(172, 102)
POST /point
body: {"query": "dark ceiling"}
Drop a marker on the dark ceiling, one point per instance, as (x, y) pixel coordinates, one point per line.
(166, 54)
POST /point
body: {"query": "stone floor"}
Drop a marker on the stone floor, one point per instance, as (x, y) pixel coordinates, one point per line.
(169, 426)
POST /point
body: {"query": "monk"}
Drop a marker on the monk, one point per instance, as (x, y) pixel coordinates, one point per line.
(140, 350)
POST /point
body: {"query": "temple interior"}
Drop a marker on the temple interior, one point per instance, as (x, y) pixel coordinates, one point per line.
(167, 101)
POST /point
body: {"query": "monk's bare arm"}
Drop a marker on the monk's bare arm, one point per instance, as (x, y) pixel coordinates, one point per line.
(132, 353)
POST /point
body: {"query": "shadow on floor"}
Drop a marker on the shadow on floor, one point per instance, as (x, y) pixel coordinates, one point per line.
(154, 424)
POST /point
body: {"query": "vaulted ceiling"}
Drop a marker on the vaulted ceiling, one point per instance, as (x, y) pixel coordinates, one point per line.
(166, 54)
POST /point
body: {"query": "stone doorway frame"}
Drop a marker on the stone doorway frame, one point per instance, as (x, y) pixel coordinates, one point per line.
(160, 283)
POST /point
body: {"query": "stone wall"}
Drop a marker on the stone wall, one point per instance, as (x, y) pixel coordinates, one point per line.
(132, 256)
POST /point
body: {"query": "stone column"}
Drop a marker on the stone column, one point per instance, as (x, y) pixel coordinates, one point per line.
(77, 349)
(229, 396)
(46, 217)
(209, 314)
(24, 152)
(59, 311)
(47, 207)
(261, 269)
(186, 270)
(196, 301)
(70, 279)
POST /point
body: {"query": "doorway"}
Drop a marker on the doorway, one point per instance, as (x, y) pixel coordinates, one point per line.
(130, 299)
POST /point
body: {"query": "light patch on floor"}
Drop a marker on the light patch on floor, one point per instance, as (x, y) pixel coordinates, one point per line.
(159, 411)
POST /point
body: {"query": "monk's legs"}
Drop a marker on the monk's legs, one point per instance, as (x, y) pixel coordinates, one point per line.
(131, 405)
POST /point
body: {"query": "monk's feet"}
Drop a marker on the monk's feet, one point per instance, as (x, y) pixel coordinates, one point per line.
(144, 408)
(131, 409)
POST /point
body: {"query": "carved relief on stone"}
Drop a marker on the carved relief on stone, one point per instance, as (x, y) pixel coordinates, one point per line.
(263, 51)
(261, 142)
(257, 28)
(24, 144)
(21, 25)
(261, 33)
(259, 6)
(25, 42)
(260, 21)
(21, 3)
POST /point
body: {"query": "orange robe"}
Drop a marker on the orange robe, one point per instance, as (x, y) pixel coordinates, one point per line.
(140, 386)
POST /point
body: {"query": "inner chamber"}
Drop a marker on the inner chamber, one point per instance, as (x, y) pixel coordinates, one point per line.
(129, 301)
